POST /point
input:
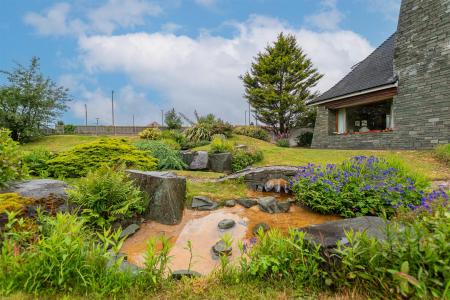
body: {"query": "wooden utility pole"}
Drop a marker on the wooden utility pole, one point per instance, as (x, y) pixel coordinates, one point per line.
(134, 128)
(112, 111)
(162, 117)
(85, 114)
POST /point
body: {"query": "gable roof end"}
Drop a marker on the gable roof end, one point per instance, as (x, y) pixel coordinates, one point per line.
(374, 72)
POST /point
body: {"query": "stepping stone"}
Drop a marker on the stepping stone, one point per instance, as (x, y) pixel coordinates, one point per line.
(203, 203)
(247, 203)
(268, 205)
(284, 206)
(226, 224)
(230, 203)
(178, 274)
(129, 230)
(220, 248)
(259, 226)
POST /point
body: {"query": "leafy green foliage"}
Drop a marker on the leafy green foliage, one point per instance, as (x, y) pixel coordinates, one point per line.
(206, 127)
(304, 139)
(443, 153)
(107, 195)
(412, 263)
(150, 134)
(77, 161)
(172, 144)
(199, 132)
(168, 158)
(359, 186)
(13, 202)
(220, 144)
(172, 119)
(283, 143)
(11, 164)
(279, 83)
(36, 161)
(252, 131)
(30, 101)
(157, 258)
(244, 158)
(69, 129)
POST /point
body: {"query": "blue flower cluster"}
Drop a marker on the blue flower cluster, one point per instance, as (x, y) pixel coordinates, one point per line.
(359, 186)
(427, 201)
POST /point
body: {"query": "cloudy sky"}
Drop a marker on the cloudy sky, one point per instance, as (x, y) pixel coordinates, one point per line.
(187, 54)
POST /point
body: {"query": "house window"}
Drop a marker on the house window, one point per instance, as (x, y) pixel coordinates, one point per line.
(365, 118)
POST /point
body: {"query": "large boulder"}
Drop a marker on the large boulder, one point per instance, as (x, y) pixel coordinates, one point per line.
(329, 233)
(200, 161)
(167, 193)
(39, 189)
(220, 162)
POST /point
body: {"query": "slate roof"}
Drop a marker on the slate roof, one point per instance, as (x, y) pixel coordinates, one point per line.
(374, 71)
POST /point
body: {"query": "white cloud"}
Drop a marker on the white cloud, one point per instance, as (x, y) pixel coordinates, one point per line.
(106, 18)
(54, 21)
(328, 18)
(202, 73)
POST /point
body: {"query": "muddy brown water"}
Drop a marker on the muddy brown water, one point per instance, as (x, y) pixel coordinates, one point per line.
(200, 227)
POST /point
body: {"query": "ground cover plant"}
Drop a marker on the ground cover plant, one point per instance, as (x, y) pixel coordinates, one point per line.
(242, 158)
(11, 163)
(252, 131)
(151, 134)
(220, 144)
(77, 161)
(359, 186)
(168, 158)
(107, 195)
(284, 143)
(36, 161)
(443, 153)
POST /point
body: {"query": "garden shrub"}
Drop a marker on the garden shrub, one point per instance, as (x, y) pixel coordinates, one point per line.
(443, 153)
(220, 144)
(304, 139)
(150, 134)
(172, 144)
(412, 263)
(107, 195)
(252, 131)
(278, 256)
(243, 158)
(199, 132)
(69, 129)
(11, 164)
(168, 158)
(36, 161)
(359, 186)
(77, 161)
(283, 142)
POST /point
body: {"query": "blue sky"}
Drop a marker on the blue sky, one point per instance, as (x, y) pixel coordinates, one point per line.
(186, 54)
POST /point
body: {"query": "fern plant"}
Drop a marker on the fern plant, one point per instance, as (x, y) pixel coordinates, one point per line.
(168, 158)
(106, 195)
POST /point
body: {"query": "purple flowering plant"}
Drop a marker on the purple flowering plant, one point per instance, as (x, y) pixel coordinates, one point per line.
(360, 186)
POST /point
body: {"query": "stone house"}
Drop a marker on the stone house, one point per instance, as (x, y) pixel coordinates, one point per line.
(399, 96)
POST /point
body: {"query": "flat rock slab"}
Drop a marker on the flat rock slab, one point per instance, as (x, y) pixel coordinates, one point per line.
(167, 193)
(226, 224)
(329, 233)
(247, 203)
(129, 230)
(39, 188)
(203, 203)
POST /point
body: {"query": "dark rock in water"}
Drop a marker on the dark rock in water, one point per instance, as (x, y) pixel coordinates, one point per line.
(284, 206)
(200, 161)
(129, 231)
(203, 203)
(221, 248)
(230, 203)
(268, 204)
(39, 189)
(247, 202)
(226, 224)
(260, 226)
(220, 162)
(167, 193)
(178, 274)
(329, 233)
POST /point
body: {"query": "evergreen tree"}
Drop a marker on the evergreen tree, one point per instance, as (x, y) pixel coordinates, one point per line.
(173, 120)
(279, 83)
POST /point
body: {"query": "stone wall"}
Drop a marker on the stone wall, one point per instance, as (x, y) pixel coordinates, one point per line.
(422, 107)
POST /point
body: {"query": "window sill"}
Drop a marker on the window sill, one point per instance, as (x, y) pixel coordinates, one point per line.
(367, 132)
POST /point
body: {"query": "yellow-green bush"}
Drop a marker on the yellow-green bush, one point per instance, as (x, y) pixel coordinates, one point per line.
(13, 202)
(443, 152)
(220, 144)
(11, 165)
(151, 134)
(77, 161)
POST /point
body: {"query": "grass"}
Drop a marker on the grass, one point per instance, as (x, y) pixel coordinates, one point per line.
(218, 191)
(442, 152)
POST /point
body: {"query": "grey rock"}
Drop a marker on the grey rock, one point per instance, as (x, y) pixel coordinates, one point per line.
(200, 161)
(167, 193)
(260, 226)
(268, 204)
(187, 156)
(178, 274)
(226, 224)
(129, 231)
(220, 162)
(247, 202)
(230, 203)
(329, 233)
(39, 188)
(203, 203)
(284, 206)
(221, 248)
